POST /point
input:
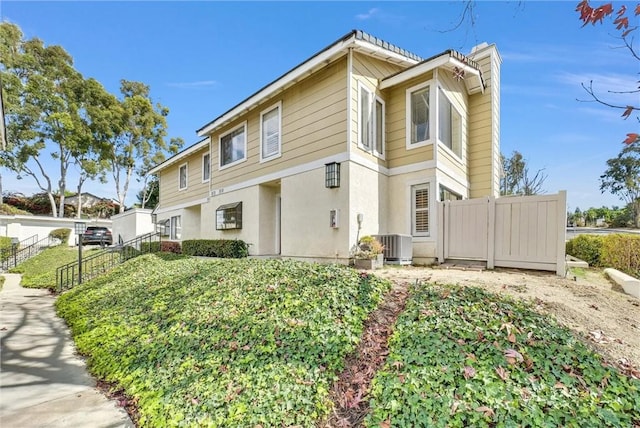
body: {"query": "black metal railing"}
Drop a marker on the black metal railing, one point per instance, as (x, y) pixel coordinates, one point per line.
(24, 250)
(71, 274)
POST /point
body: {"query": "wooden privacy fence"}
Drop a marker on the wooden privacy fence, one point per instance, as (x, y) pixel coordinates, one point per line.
(518, 231)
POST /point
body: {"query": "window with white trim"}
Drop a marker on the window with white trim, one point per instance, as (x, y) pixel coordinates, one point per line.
(449, 124)
(418, 116)
(233, 146)
(182, 177)
(206, 167)
(420, 210)
(371, 126)
(270, 133)
(449, 195)
(175, 226)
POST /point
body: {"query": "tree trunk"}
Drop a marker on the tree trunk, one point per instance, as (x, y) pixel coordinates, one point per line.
(79, 194)
(636, 214)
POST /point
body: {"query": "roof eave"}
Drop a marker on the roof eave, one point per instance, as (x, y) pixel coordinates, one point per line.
(179, 156)
(444, 60)
(329, 54)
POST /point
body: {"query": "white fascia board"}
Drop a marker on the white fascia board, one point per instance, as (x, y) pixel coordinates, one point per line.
(281, 83)
(385, 53)
(415, 71)
(179, 156)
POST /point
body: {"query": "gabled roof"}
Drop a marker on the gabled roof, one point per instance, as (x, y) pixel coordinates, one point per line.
(356, 39)
(179, 156)
(449, 59)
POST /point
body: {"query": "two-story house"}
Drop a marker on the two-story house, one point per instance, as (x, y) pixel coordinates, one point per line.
(363, 138)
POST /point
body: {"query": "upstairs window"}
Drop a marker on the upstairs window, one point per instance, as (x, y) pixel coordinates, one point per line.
(418, 116)
(206, 167)
(233, 146)
(182, 177)
(449, 124)
(371, 127)
(270, 130)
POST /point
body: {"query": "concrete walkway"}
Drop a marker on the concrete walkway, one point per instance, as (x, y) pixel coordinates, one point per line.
(43, 383)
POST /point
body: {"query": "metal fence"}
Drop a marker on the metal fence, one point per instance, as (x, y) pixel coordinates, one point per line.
(71, 274)
(24, 250)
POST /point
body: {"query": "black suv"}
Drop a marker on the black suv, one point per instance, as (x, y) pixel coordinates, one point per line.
(97, 235)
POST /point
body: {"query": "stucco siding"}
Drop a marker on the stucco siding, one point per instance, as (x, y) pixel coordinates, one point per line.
(400, 211)
(313, 126)
(369, 196)
(306, 202)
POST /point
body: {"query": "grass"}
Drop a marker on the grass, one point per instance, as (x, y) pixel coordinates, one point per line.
(259, 343)
(40, 271)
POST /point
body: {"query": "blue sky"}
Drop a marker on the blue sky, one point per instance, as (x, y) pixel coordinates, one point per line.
(202, 58)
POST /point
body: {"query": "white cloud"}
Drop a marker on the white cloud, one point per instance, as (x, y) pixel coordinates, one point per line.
(370, 14)
(196, 84)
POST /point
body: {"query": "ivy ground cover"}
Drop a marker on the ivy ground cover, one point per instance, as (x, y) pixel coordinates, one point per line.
(462, 357)
(222, 343)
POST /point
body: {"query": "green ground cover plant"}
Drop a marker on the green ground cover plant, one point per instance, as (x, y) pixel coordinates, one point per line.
(40, 270)
(223, 343)
(462, 357)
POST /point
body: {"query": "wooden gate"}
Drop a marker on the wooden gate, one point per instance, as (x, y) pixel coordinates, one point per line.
(521, 232)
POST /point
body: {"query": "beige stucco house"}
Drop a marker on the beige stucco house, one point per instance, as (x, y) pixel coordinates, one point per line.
(363, 138)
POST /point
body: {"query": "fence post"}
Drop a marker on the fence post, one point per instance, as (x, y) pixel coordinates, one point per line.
(491, 232)
(561, 233)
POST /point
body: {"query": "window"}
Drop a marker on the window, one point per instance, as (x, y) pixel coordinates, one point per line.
(233, 146)
(448, 195)
(371, 130)
(206, 167)
(229, 216)
(418, 116)
(175, 227)
(270, 130)
(449, 124)
(182, 177)
(420, 209)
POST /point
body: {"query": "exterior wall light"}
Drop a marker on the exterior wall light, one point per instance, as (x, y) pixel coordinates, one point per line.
(332, 175)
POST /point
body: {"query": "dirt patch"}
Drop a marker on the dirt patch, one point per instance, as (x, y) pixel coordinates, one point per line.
(349, 391)
(586, 302)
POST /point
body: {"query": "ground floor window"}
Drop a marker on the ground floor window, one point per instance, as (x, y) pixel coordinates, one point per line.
(449, 195)
(175, 227)
(420, 209)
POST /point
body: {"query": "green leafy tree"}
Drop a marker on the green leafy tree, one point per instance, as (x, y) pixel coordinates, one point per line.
(140, 139)
(43, 110)
(149, 196)
(516, 178)
(622, 178)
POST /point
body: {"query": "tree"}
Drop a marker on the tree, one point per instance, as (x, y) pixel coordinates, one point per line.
(140, 139)
(149, 196)
(516, 179)
(622, 178)
(43, 110)
(597, 15)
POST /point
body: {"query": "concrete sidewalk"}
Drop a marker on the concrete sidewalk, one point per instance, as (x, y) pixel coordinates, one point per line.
(43, 383)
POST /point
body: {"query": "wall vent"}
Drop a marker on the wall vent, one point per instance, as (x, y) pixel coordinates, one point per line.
(398, 249)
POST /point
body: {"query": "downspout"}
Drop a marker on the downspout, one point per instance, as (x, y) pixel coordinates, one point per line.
(349, 100)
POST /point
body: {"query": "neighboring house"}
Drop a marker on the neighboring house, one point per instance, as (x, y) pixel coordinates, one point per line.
(88, 200)
(362, 127)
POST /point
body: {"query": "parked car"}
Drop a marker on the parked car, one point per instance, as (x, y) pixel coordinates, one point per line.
(97, 235)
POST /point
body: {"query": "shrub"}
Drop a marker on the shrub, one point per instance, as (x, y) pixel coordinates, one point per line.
(622, 252)
(162, 246)
(586, 247)
(5, 247)
(62, 234)
(225, 248)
